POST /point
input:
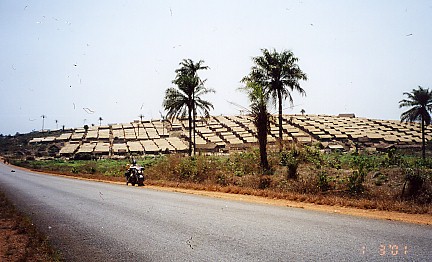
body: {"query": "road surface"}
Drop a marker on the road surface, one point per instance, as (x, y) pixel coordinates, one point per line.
(97, 221)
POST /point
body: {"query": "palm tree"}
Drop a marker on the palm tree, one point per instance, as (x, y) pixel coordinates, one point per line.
(186, 98)
(190, 68)
(279, 74)
(100, 120)
(420, 101)
(261, 117)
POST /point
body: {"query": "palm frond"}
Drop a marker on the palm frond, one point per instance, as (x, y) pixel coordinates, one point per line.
(420, 101)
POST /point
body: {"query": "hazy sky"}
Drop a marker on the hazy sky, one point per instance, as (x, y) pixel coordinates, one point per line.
(76, 61)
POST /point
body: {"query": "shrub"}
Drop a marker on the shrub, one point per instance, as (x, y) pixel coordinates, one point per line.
(30, 158)
(186, 170)
(334, 163)
(292, 167)
(415, 182)
(244, 163)
(323, 182)
(83, 156)
(394, 158)
(222, 180)
(290, 159)
(355, 181)
(312, 154)
(379, 178)
(264, 182)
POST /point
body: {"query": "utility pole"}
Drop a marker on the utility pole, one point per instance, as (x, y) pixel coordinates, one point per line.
(43, 122)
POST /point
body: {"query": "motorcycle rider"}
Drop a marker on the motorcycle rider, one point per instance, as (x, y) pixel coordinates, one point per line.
(134, 169)
(134, 163)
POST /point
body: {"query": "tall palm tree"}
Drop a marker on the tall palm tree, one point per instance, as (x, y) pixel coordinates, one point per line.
(100, 120)
(190, 68)
(420, 101)
(186, 99)
(261, 118)
(279, 74)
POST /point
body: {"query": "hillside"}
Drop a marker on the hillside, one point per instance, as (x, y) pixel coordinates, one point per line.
(216, 135)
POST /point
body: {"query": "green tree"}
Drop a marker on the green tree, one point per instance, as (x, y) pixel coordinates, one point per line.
(420, 101)
(261, 118)
(186, 98)
(279, 74)
(190, 68)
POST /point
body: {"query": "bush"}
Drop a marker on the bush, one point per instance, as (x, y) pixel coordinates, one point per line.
(379, 179)
(290, 159)
(355, 181)
(313, 155)
(222, 180)
(244, 163)
(334, 163)
(414, 180)
(292, 166)
(265, 182)
(83, 156)
(394, 158)
(323, 181)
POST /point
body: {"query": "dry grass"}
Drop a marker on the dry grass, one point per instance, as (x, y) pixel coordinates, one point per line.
(381, 188)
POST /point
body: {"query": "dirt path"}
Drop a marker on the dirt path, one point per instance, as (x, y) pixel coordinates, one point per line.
(19, 239)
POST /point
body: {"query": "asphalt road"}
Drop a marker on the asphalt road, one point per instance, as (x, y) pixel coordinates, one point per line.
(93, 221)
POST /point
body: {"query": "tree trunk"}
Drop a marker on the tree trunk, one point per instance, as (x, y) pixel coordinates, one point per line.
(261, 126)
(423, 139)
(190, 130)
(194, 126)
(280, 120)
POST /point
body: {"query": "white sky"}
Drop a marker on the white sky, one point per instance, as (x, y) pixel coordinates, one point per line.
(117, 58)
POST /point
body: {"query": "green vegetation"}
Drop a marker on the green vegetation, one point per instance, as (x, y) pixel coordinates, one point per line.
(105, 168)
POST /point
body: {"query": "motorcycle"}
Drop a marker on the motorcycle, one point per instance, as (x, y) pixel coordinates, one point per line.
(135, 175)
